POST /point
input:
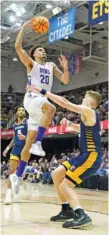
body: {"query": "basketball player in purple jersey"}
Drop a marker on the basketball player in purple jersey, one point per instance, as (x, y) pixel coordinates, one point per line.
(40, 73)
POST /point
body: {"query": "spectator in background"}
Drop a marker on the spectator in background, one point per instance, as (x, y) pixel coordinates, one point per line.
(35, 173)
(10, 89)
(32, 171)
(63, 156)
(100, 171)
(5, 169)
(27, 171)
(46, 176)
(53, 163)
(106, 169)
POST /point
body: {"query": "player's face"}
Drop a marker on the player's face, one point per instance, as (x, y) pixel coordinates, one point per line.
(87, 100)
(40, 53)
(21, 113)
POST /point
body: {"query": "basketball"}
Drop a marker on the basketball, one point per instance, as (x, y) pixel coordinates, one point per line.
(40, 24)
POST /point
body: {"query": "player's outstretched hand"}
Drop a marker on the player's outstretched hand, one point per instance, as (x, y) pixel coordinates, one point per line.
(63, 62)
(65, 122)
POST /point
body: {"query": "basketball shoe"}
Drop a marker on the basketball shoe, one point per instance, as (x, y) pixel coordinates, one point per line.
(36, 149)
(15, 183)
(66, 213)
(8, 198)
(81, 220)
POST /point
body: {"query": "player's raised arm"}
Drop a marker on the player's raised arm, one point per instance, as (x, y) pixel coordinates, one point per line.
(81, 109)
(23, 56)
(89, 113)
(64, 103)
(63, 77)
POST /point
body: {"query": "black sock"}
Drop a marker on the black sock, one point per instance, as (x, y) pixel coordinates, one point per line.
(66, 207)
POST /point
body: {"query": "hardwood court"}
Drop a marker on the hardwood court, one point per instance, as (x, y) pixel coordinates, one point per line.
(37, 203)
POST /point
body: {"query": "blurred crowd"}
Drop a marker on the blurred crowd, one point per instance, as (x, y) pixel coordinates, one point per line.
(40, 170)
(9, 101)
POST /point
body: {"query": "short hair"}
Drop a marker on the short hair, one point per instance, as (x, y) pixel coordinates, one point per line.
(32, 50)
(95, 95)
(18, 107)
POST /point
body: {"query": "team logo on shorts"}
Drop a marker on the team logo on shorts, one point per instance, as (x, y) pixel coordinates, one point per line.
(72, 168)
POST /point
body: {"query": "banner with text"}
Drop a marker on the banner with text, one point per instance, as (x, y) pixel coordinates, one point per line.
(62, 25)
(74, 62)
(98, 12)
(4, 134)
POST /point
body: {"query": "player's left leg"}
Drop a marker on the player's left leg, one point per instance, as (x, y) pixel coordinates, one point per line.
(14, 161)
(25, 156)
(48, 111)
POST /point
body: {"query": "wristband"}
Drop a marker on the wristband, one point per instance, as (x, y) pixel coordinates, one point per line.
(68, 123)
(7, 148)
(43, 92)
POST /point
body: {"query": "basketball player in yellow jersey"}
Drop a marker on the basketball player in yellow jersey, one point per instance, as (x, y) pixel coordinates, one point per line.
(74, 172)
(41, 111)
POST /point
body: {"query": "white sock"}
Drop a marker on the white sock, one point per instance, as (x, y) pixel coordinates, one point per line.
(9, 190)
(38, 142)
(77, 207)
(65, 203)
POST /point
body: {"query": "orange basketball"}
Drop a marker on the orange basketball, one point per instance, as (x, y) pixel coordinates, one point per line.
(40, 24)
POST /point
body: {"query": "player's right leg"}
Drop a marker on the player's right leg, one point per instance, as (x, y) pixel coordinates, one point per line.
(14, 161)
(25, 156)
(46, 111)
